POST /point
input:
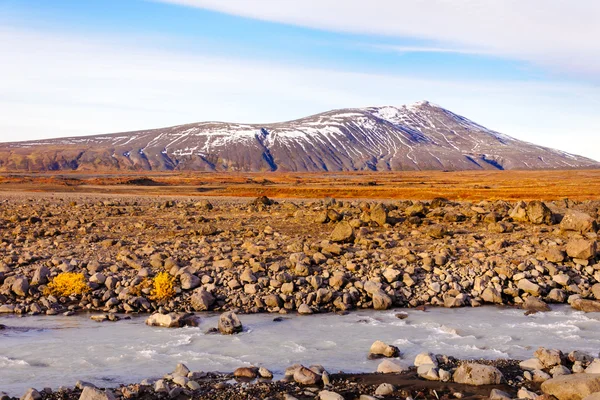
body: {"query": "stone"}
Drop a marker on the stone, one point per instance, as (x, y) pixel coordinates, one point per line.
(539, 213)
(523, 393)
(385, 389)
(381, 301)
(189, 281)
(380, 349)
(265, 373)
(390, 367)
(478, 374)
(342, 232)
(491, 295)
(552, 254)
(428, 372)
(20, 286)
(539, 376)
(529, 287)
(40, 276)
(379, 214)
(424, 359)
(549, 357)
(328, 395)
(535, 304)
(586, 305)
(201, 300)
(559, 370)
(578, 221)
(531, 364)
(31, 394)
(593, 396)
(307, 377)
(497, 394)
(304, 309)
(172, 320)
(91, 393)
(594, 367)
(229, 323)
(391, 274)
(246, 372)
(596, 291)
(572, 387)
(582, 249)
(445, 376)
(181, 370)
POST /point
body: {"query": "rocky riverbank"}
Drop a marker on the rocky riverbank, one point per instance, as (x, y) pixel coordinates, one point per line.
(550, 374)
(306, 257)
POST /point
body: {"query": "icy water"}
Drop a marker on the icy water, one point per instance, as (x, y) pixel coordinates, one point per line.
(57, 351)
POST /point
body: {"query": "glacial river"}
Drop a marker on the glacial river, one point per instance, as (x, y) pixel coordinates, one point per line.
(44, 351)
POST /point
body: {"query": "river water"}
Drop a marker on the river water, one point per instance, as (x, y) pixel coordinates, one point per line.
(44, 351)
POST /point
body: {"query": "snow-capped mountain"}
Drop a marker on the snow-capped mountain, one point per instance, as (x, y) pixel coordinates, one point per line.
(421, 136)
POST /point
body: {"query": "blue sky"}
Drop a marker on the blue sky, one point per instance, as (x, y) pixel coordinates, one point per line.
(77, 67)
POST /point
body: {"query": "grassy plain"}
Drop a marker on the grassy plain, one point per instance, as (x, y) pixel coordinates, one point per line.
(421, 185)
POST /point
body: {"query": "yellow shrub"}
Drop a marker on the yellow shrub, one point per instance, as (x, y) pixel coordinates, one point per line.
(67, 284)
(163, 287)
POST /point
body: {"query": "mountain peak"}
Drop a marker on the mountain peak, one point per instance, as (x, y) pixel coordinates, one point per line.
(419, 136)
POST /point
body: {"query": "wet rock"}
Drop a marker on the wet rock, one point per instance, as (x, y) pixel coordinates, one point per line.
(172, 320)
(381, 301)
(572, 387)
(529, 287)
(181, 370)
(246, 373)
(304, 309)
(477, 374)
(491, 295)
(425, 359)
(586, 305)
(549, 357)
(534, 305)
(265, 373)
(380, 349)
(229, 323)
(428, 372)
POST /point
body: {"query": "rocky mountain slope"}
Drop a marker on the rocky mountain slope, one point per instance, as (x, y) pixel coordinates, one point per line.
(421, 136)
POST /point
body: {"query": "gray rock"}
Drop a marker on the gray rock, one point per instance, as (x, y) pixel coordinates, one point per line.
(31, 394)
(572, 387)
(201, 300)
(229, 323)
(385, 389)
(578, 221)
(91, 393)
(478, 374)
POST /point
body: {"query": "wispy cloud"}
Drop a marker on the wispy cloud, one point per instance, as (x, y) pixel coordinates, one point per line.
(557, 34)
(425, 49)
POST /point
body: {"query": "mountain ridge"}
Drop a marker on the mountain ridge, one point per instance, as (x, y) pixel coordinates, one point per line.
(420, 136)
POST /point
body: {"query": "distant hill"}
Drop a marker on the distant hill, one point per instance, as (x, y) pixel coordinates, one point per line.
(421, 136)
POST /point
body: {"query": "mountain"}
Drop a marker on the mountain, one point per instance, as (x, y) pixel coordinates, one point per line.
(421, 136)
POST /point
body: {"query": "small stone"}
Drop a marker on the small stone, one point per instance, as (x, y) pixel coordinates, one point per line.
(385, 389)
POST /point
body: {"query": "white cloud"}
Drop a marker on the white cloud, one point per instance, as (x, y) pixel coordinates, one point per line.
(556, 33)
(59, 85)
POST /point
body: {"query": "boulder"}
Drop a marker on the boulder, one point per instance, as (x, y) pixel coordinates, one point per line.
(329, 395)
(582, 249)
(572, 387)
(390, 367)
(586, 305)
(531, 364)
(578, 221)
(425, 358)
(172, 320)
(385, 389)
(201, 300)
(552, 254)
(594, 367)
(305, 376)
(539, 213)
(478, 374)
(229, 323)
(549, 357)
(428, 372)
(31, 394)
(535, 304)
(381, 301)
(529, 287)
(491, 295)
(91, 393)
(380, 349)
(497, 394)
(189, 281)
(379, 214)
(20, 286)
(40, 277)
(246, 372)
(342, 232)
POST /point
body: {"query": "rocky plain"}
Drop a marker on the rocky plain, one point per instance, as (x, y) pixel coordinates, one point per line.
(238, 256)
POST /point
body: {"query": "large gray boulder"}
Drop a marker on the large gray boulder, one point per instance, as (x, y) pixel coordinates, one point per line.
(229, 323)
(572, 387)
(478, 374)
